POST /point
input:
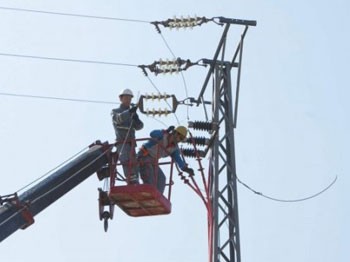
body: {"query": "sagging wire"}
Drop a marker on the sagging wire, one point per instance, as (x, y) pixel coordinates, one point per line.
(288, 200)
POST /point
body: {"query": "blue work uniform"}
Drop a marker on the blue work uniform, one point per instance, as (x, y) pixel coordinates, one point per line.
(154, 149)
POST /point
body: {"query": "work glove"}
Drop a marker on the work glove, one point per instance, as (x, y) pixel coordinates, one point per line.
(142, 152)
(133, 110)
(139, 155)
(170, 129)
(188, 171)
(135, 117)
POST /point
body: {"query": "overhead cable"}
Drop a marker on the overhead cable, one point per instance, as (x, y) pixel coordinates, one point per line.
(73, 15)
(288, 200)
(67, 59)
(58, 98)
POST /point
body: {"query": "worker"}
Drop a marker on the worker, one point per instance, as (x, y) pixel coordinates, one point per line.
(125, 122)
(162, 143)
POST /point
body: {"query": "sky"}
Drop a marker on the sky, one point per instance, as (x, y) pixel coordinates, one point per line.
(291, 136)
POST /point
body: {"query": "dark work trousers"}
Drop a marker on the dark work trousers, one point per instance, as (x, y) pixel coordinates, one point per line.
(127, 157)
(151, 173)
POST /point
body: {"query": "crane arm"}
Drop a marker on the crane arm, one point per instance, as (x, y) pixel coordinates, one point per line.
(18, 211)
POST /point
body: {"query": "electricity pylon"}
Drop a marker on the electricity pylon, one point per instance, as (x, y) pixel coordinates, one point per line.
(224, 237)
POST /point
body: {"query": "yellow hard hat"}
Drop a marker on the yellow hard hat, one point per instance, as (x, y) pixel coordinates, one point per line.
(182, 131)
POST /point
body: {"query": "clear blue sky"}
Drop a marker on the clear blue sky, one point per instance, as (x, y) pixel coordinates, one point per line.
(291, 140)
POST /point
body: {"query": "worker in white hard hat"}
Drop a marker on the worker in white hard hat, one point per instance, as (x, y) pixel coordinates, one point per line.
(125, 122)
(163, 143)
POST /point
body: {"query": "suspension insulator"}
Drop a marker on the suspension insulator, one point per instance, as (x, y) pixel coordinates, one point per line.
(189, 152)
(200, 125)
(159, 97)
(182, 22)
(202, 141)
(168, 66)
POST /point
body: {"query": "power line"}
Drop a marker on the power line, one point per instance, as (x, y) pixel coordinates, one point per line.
(67, 59)
(79, 60)
(58, 98)
(288, 200)
(73, 15)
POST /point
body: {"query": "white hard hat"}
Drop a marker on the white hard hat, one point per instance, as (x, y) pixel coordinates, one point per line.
(126, 92)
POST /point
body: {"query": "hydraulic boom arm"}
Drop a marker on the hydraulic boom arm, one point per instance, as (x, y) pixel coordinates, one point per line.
(18, 211)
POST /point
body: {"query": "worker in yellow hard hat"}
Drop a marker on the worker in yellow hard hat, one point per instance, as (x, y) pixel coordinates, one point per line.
(125, 123)
(162, 143)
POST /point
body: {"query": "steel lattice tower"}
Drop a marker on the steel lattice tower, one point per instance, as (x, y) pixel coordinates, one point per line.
(223, 186)
(224, 237)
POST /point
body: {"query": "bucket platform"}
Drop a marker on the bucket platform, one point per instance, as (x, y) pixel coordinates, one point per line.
(140, 200)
